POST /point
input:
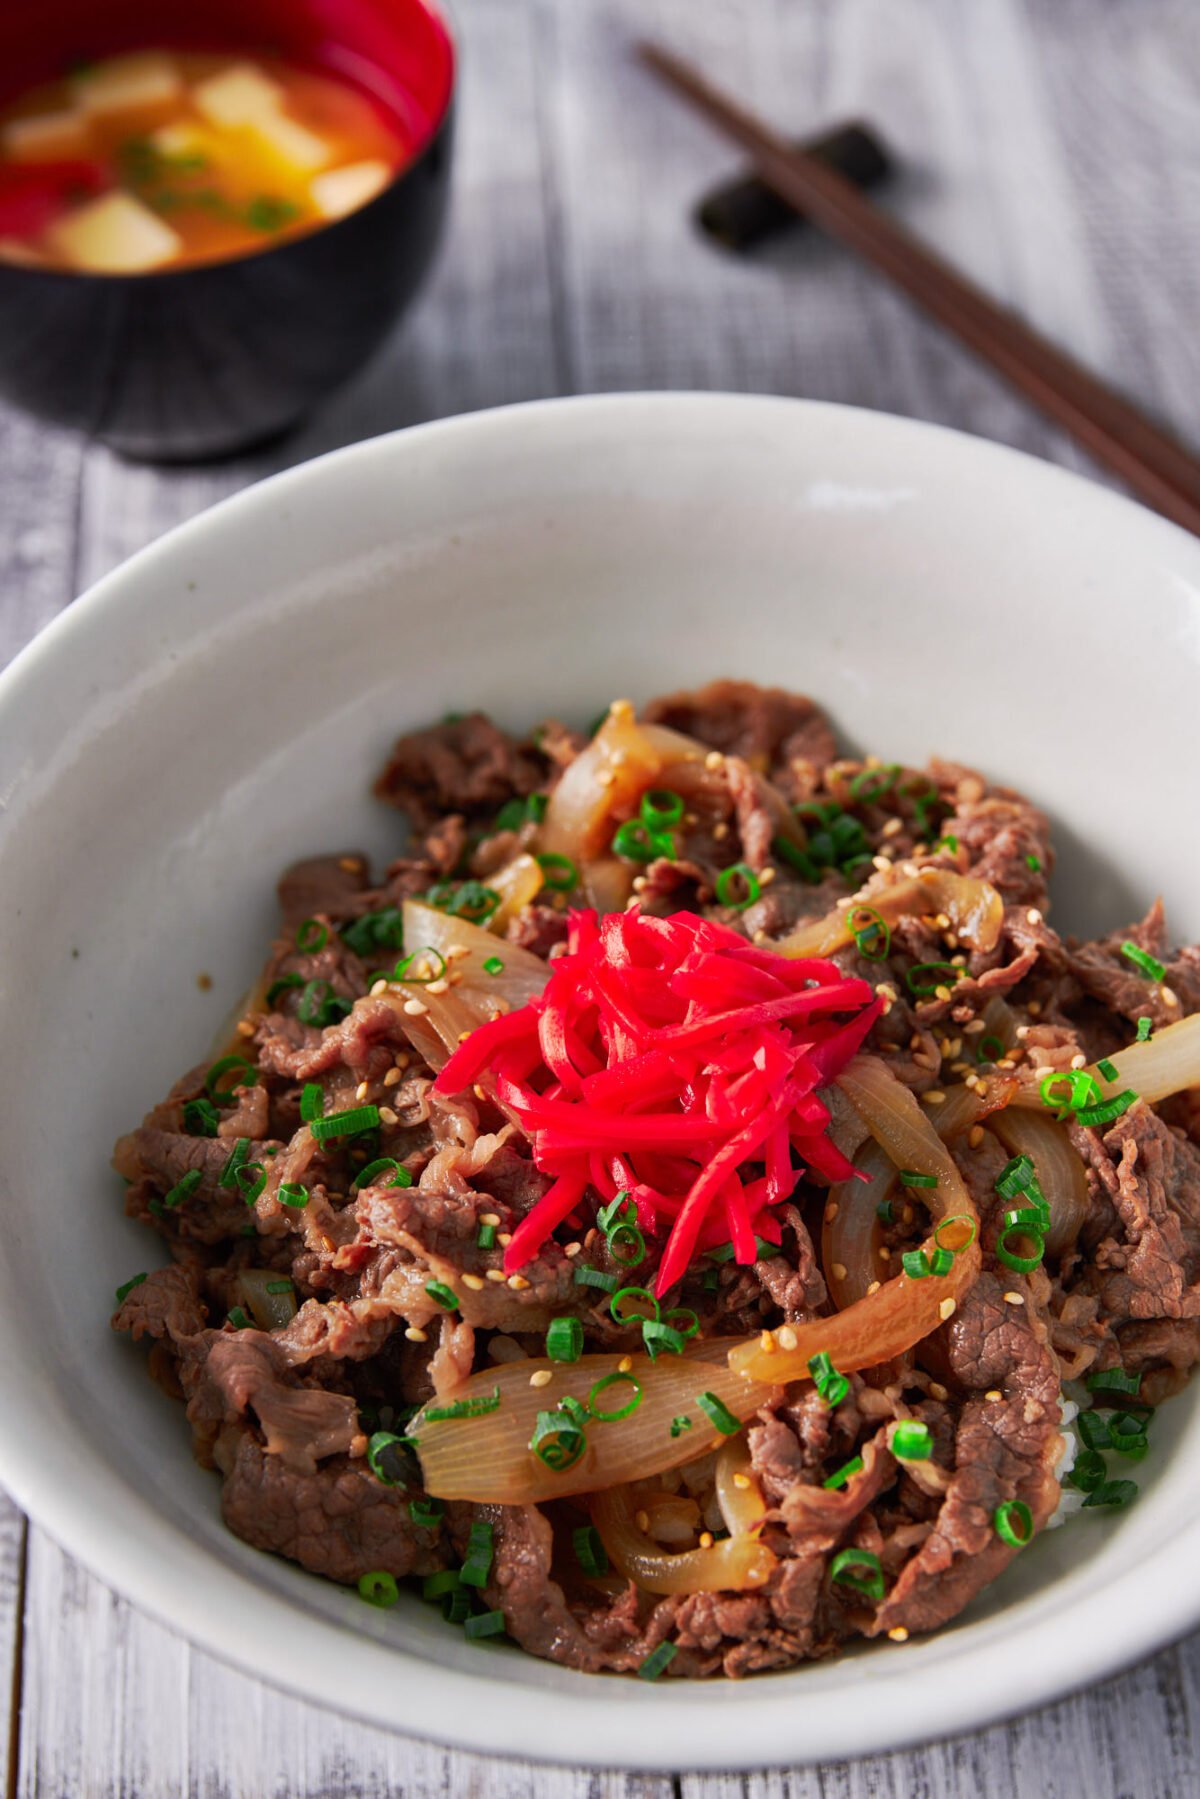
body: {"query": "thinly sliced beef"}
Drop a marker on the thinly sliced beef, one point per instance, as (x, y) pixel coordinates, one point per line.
(771, 729)
(323, 886)
(1149, 1268)
(464, 765)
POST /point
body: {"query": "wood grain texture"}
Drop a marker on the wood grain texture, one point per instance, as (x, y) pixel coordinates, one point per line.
(1051, 148)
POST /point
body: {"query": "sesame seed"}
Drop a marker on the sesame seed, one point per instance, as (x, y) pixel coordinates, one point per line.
(497, 1275)
(706, 1539)
(605, 778)
(893, 827)
(361, 1091)
(504, 1238)
(473, 1282)
(479, 1091)
(245, 1028)
(403, 1059)
(874, 1287)
(934, 1097)
(541, 1377)
(786, 1337)
(898, 1634)
(1169, 997)
(572, 1249)
(993, 1394)
(975, 1136)
(832, 1209)
(1034, 1008)
(463, 1035)
(942, 921)
(720, 832)
(882, 863)
(454, 952)
(942, 992)
(378, 987)
(415, 1335)
(1014, 1299)
(1079, 1061)
(625, 1364)
(351, 864)
(976, 1024)
(416, 1008)
(838, 1270)
(642, 1520)
(743, 1481)
(517, 1282)
(1033, 915)
(937, 1391)
(946, 1310)
(886, 989)
(714, 760)
(387, 1116)
(438, 986)
(766, 876)
(885, 1254)
(960, 1067)
(766, 1343)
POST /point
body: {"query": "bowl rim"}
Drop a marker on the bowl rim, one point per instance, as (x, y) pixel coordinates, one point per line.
(440, 11)
(129, 1545)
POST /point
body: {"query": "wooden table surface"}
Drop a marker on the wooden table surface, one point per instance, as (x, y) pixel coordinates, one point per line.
(1053, 148)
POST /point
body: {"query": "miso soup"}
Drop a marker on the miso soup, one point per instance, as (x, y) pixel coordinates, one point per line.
(161, 158)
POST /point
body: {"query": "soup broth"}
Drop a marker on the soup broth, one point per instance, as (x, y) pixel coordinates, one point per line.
(161, 158)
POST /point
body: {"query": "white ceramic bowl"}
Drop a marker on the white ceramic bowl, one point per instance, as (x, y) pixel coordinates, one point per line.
(219, 705)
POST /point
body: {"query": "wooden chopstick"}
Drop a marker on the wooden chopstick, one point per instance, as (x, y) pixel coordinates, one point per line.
(1154, 465)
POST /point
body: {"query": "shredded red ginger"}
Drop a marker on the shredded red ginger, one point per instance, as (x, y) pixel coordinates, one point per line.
(671, 1059)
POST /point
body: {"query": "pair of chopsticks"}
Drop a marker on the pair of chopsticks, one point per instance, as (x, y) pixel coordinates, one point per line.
(1154, 465)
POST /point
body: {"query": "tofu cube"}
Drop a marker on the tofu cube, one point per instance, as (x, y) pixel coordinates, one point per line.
(179, 140)
(344, 190)
(239, 95)
(115, 235)
(123, 83)
(47, 137)
(299, 149)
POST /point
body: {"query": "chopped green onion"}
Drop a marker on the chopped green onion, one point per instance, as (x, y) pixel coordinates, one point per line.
(636, 843)
(946, 843)
(589, 1549)
(844, 1473)
(351, 1123)
(944, 1224)
(284, 1286)
(477, 1564)
(487, 1237)
(661, 808)
(378, 1588)
(1107, 1110)
(910, 1178)
(1014, 1177)
(915, 1264)
(484, 1624)
(1088, 1472)
(1143, 1030)
(660, 1336)
(368, 1176)
(860, 1569)
(616, 1305)
(1013, 1523)
(436, 1586)
(1146, 964)
(251, 1179)
(375, 931)
(564, 1340)
(127, 1287)
(989, 1049)
(872, 783)
(311, 936)
(426, 1513)
(383, 1444)
(468, 899)
(718, 1413)
(1021, 1264)
(536, 806)
(247, 1077)
(401, 972)
(1114, 1380)
(183, 1188)
(237, 1155)
(291, 1193)
(319, 1005)
(911, 1441)
(1114, 1493)
(595, 1277)
(941, 1261)
(493, 965)
(657, 1660)
(712, 1280)
(238, 1319)
(737, 887)
(312, 1102)
(602, 1385)
(442, 1295)
(679, 1423)
(784, 850)
(923, 989)
(557, 1440)
(872, 939)
(477, 1407)
(200, 1117)
(1034, 862)
(511, 816)
(1082, 1090)
(627, 1245)
(560, 872)
(1108, 1069)
(691, 1327)
(1093, 1430)
(883, 1211)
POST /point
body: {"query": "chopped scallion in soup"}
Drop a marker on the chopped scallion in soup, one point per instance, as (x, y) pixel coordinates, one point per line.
(158, 158)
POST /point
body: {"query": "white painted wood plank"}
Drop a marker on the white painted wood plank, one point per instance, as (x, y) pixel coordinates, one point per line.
(12, 1583)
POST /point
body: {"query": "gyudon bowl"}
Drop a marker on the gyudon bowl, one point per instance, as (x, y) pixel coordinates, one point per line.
(216, 710)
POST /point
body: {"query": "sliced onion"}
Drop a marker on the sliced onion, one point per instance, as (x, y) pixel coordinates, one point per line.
(738, 1492)
(1168, 1063)
(974, 908)
(1059, 1170)
(270, 1311)
(851, 1238)
(736, 1564)
(518, 883)
(902, 1311)
(488, 1458)
(465, 948)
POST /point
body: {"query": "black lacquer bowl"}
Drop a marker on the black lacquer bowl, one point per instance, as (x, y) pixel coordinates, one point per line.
(179, 365)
